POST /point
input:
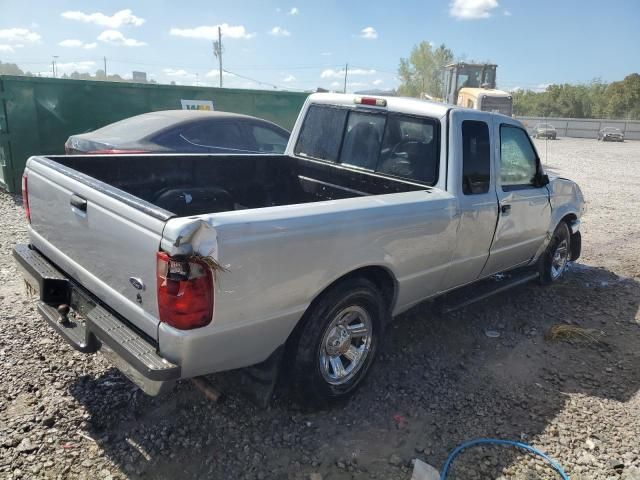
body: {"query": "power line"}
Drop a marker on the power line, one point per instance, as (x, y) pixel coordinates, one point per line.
(253, 79)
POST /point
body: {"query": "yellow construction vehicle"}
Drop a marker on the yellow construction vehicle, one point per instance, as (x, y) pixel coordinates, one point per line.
(473, 85)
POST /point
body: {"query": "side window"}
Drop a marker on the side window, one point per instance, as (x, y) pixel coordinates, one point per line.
(362, 138)
(268, 140)
(321, 133)
(476, 157)
(225, 135)
(410, 149)
(518, 159)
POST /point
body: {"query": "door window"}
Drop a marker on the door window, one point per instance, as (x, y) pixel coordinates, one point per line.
(518, 159)
(476, 157)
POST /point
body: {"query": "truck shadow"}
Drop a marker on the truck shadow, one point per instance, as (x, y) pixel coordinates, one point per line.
(436, 384)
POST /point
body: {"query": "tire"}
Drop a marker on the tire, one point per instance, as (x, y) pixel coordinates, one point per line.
(553, 262)
(322, 338)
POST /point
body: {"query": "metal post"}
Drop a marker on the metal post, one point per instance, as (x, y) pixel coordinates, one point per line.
(346, 70)
(220, 53)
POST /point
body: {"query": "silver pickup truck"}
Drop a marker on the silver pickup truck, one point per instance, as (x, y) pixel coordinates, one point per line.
(177, 265)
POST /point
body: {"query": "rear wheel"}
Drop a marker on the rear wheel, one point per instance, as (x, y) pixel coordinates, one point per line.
(338, 341)
(554, 260)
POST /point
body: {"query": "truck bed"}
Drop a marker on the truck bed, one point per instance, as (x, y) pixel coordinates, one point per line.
(185, 185)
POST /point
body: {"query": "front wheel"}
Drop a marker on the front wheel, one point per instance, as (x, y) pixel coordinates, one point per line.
(338, 341)
(554, 260)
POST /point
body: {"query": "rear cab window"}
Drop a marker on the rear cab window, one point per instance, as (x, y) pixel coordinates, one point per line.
(391, 143)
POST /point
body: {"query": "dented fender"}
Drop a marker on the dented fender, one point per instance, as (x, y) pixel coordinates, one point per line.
(189, 236)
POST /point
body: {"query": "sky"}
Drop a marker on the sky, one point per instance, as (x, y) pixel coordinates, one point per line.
(301, 45)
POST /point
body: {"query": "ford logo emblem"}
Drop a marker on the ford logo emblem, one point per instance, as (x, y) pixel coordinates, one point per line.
(137, 283)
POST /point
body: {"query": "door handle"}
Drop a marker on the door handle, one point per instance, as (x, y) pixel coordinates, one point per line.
(76, 201)
(505, 209)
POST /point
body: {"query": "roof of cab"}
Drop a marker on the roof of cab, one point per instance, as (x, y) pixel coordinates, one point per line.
(396, 104)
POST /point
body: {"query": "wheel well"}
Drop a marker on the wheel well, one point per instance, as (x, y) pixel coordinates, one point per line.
(576, 238)
(382, 278)
(569, 218)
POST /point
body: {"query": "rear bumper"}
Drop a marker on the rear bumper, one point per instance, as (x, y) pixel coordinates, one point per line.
(92, 326)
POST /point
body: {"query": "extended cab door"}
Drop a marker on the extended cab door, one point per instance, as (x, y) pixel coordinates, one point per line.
(472, 179)
(524, 208)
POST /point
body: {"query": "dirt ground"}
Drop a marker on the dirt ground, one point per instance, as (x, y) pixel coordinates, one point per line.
(439, 382)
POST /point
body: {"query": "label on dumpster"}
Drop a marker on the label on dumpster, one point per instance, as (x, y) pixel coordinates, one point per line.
(197, 104)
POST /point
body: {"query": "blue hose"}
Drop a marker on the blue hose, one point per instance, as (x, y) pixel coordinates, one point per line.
(495, 441)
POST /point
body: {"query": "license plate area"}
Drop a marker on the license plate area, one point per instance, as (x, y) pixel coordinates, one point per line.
(41, 279)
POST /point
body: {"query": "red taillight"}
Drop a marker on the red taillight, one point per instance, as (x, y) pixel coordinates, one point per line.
(115, 151)
(25, 197)
(185, 292)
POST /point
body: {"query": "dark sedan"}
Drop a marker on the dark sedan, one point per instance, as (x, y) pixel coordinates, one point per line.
(611, 134)
(184, 131)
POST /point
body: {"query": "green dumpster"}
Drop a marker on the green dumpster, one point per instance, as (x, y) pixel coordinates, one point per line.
(37, 115)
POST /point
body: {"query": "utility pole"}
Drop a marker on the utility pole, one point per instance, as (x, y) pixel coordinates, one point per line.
(105, 67)
(217, 52)
(346, 70)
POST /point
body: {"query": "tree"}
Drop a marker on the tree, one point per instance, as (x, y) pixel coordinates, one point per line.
(594, 100)
(421, 73)
(622, 99)
(10, 69)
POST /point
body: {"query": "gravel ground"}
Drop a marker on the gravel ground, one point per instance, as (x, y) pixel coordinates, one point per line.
(439, 382)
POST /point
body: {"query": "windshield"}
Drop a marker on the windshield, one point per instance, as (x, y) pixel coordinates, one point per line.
(476, 76)
(611, 129)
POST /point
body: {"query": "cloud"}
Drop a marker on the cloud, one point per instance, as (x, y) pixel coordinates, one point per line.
(114, 37)
(326, 54)
(336, 84)
(369, 33)
(18, 35)
(294, 11)
(211, 32)
(472, 9)
(279, 32)
(171, 72)
(331, 73)
(378, 81)
(6, 48)
(541, 87)
(72, 43)
(75, 66)
(289, 78)
(507, 13)
(117, 20)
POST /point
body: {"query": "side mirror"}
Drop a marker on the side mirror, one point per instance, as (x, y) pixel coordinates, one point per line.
(543, 180)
